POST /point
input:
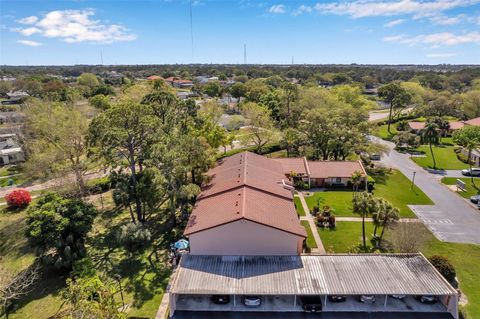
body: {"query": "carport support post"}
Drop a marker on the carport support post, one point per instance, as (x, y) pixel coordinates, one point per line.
(294, 301)
(234, 301)
(385, 305)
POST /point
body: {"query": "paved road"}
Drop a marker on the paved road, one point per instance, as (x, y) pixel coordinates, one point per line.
(452, 218)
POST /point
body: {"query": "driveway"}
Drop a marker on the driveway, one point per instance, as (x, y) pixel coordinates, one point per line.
(452, 218)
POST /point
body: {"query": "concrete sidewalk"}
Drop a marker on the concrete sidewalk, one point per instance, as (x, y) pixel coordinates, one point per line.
(308, 217)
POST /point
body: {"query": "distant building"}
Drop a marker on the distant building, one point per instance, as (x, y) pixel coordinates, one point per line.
(179, 83)
(10, 150)
(112, 77)
(154, 78)
(16, 97)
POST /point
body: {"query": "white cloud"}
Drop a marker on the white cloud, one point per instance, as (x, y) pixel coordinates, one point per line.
(28, 20)
(302, 9)
(394, 38)
(393, 23)
(437, 39)
(441, 55)
(76, 26)
(278, 9)
(30, 43)
(367, 8)
(444, 20)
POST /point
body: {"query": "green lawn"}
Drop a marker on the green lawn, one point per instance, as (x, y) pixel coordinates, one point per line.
(345, 236)
(464, 257)
(339, 201)
(310, 240)
(394, 187)
(144, 275)
(298, 206)
(470, 190)
(444, 155)
(382, 131)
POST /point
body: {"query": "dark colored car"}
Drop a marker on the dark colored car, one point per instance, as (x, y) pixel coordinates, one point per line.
(427, 299)
(220, 299)
(475, 199)
(311, 303)
(337, 298)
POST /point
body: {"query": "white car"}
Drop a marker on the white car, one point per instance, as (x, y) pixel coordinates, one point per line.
(252, 301)
(472, 172)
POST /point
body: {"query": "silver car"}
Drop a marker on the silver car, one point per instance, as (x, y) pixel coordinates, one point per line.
(367, 299)
(471, 172)
(252, 301)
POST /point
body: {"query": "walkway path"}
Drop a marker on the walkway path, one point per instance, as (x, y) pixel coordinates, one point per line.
(359, 219)
(308, 217)
(452, 218)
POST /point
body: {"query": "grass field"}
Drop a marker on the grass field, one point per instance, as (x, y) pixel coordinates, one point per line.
(298, 206)
(444, 155)
(464, 257)
(394, 187)
(382, 131)
(345, 236)
(144, 275)
(310, 240)
(470, 190)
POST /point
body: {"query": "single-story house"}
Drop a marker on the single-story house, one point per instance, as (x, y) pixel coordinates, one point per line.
(323, 173)
(395, 281)
(10, 150)
(246, 194)
(179, 83)
(416, 127)
(154, 78)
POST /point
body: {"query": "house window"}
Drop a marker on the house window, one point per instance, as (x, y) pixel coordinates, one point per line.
(338, 180)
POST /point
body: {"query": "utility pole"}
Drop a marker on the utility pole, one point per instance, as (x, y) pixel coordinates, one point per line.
(244, 54)
(101, 57)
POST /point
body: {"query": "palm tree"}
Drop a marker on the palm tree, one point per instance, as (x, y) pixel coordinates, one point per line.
(430, 135)
(468, 138)
(387, 215)
(365, 205)
(356, 179)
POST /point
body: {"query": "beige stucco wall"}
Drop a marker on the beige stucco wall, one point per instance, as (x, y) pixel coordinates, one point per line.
(244, 238)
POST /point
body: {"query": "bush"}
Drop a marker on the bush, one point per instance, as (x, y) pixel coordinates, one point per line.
(100, 185)
(444, 267)
(134, 237)
(18, 198)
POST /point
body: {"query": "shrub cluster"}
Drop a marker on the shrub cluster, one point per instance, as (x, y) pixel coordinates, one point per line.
(18, 198)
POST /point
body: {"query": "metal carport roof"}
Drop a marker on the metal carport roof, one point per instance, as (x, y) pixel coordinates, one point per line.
(340, 274)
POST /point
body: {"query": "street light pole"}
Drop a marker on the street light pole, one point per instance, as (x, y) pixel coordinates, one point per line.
(413, 180)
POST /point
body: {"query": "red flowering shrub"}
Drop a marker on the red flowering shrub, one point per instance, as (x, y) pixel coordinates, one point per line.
(18, 198)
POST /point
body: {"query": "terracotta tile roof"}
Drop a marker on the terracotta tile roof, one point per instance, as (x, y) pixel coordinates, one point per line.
(416, 125)
(245, 186)
(456, 125)
(297, 165)
(327, 169)
(154, 77)
(474, 122)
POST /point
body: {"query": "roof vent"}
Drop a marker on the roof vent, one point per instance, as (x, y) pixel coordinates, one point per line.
(236, 203)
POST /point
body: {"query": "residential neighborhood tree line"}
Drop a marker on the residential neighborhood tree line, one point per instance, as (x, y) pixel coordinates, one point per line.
(155, 148)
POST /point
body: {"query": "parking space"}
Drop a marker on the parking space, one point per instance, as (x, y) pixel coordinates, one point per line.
(289, 304)
(440, 224)
(302, 315)
(269, 303)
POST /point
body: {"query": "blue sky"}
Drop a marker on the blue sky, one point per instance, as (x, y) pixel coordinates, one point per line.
(157, 32)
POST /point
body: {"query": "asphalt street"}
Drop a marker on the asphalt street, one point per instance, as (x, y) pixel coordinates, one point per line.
(452, 218)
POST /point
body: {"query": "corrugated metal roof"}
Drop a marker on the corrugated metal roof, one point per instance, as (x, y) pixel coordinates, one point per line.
(378, 274)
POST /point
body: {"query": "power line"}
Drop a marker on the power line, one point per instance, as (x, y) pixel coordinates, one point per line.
(191, 28)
